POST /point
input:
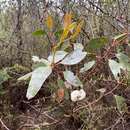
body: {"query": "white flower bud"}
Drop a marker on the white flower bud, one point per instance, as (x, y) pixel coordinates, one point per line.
(78, 95)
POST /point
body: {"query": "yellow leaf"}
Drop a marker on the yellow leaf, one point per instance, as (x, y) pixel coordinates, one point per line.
(72, 26)
(66, 31)
(78, 29)
(49, 22)
(67, 19)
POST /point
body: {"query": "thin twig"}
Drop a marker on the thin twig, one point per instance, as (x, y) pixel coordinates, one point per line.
(4, 125)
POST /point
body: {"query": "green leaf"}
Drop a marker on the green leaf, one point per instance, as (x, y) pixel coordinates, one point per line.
(124, 60)
(58, 33)
(67, 95)
(3, 76)
(39, 76)
(87, 66)
(96, 44)
(74, 57)
(121, 104)
(60, 83)
(72, 79)
(39, 33)
(115, 68)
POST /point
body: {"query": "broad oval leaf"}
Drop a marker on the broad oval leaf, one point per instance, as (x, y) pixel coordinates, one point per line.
(87, 66)
(74, 57)
(59, 55)
(124, 60)
(96, 44)
(39, 76)
(72, 79)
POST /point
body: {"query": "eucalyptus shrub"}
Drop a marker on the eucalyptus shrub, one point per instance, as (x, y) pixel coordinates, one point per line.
(59, 56)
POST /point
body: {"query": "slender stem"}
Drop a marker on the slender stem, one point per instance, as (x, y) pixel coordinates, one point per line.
(4, 125)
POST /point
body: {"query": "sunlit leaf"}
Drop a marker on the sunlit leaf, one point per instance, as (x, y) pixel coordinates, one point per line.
(66, 31)
(77, 30)
(59, 55)
(39, 76)
(87, 66)
(72, 79)
(74, 57)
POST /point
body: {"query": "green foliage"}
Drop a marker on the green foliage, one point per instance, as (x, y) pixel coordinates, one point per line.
(42, 68)
(124, 60)
(87, 66)
(3, 76)
(115, 68)
(72, 79)
(60, 83)
(58, 33)
(121, 104)
(124, 64)
(39, 33)
(39, 75)
(96, 44)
